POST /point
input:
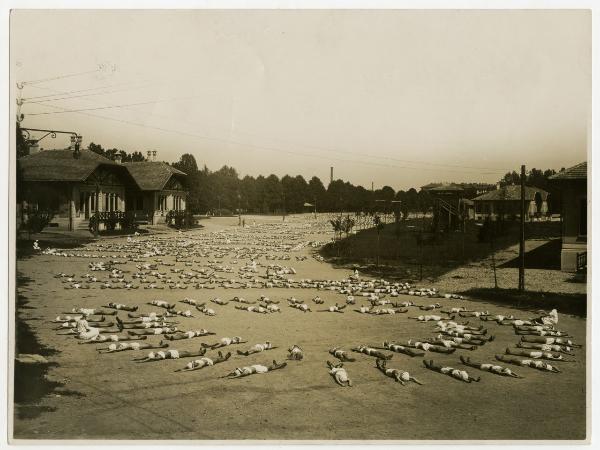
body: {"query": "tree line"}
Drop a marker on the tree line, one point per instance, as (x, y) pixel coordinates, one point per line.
(224, 191)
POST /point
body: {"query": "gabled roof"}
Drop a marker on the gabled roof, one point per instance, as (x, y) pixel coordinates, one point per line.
(455, 186)
(578, 172)
(61, 165)
(512, 193)
(152, 175)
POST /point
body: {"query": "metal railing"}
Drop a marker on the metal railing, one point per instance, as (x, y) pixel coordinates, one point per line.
(581, 262)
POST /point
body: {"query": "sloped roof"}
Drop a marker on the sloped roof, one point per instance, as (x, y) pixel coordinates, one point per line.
(578, 172)
(151, 175)
(512, 193)
(455, 186)
(61, 165)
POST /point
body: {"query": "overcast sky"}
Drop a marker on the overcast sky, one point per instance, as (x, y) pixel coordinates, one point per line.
(401, 98)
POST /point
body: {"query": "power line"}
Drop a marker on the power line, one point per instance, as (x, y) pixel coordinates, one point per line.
(106, 107)
(390, 158)
(53, 97)
(466, 169)
(60, 77)
(35, 97)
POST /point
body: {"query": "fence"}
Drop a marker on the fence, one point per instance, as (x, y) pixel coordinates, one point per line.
(108, 220)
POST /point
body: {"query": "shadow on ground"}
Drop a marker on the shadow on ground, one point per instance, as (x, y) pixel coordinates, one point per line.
(575, 304)
(31, 383)
(546, 256)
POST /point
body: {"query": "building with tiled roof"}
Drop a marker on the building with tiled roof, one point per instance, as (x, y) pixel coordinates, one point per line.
(506, 202)
(73, 186)
(161, 189)
(577, 172)
(574, 200)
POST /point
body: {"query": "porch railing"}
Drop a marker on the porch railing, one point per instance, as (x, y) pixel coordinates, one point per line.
(581, 262)
(110, 220)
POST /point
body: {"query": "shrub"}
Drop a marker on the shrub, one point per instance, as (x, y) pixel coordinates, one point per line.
(37, 221)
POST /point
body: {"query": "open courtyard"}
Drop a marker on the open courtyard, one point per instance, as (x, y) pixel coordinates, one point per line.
(109, 396)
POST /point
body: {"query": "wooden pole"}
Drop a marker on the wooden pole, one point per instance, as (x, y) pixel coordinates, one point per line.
(522, 235)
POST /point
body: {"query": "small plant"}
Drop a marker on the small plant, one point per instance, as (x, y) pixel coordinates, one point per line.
(36, 221)
(93, 224)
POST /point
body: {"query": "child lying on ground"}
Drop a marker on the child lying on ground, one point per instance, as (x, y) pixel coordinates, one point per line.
(340, 354)
(120, 306)
(256, 349)
(547, 347)
(295, 353)
(400, 376)
(204, 362)
(162, 304)
(448, 343)
(498, 370)
(256, 368)
(124, 346)
(335, 308)
(255, 309)
(371, 352)
(525, 332)
(152, 331)
(549, 340)
(537, 354)
(113, 338)
(461, 375)
(92, 312)
(534, 364)
(171, 354)
(224, 342)
(188, 334)
(301, 306)
(475, 340)
(339, 374)
(479, 314)
(400, 349)
(429, 347)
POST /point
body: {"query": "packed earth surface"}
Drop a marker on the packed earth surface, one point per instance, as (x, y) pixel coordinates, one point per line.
(110, 396)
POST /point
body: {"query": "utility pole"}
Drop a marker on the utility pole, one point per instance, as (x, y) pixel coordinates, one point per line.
(239, 210)
(522, 235)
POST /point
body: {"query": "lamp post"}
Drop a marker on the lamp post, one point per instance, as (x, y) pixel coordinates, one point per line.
(75, 138)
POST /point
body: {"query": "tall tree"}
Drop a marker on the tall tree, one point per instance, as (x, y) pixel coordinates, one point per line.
(187, 164)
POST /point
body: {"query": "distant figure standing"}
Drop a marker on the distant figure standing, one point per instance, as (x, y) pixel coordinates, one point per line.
(244, 223)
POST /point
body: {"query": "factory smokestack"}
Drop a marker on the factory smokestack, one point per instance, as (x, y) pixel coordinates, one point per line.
(331, 176)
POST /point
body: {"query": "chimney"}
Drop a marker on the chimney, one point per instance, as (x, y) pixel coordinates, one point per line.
(118, 158)
(331, 176)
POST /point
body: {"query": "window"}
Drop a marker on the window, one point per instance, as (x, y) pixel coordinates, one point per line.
(583, 216)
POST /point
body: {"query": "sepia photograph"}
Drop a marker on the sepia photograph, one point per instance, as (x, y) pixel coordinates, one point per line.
(211, 207)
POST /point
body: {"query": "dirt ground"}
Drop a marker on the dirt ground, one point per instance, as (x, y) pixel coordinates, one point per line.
(107, 396)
